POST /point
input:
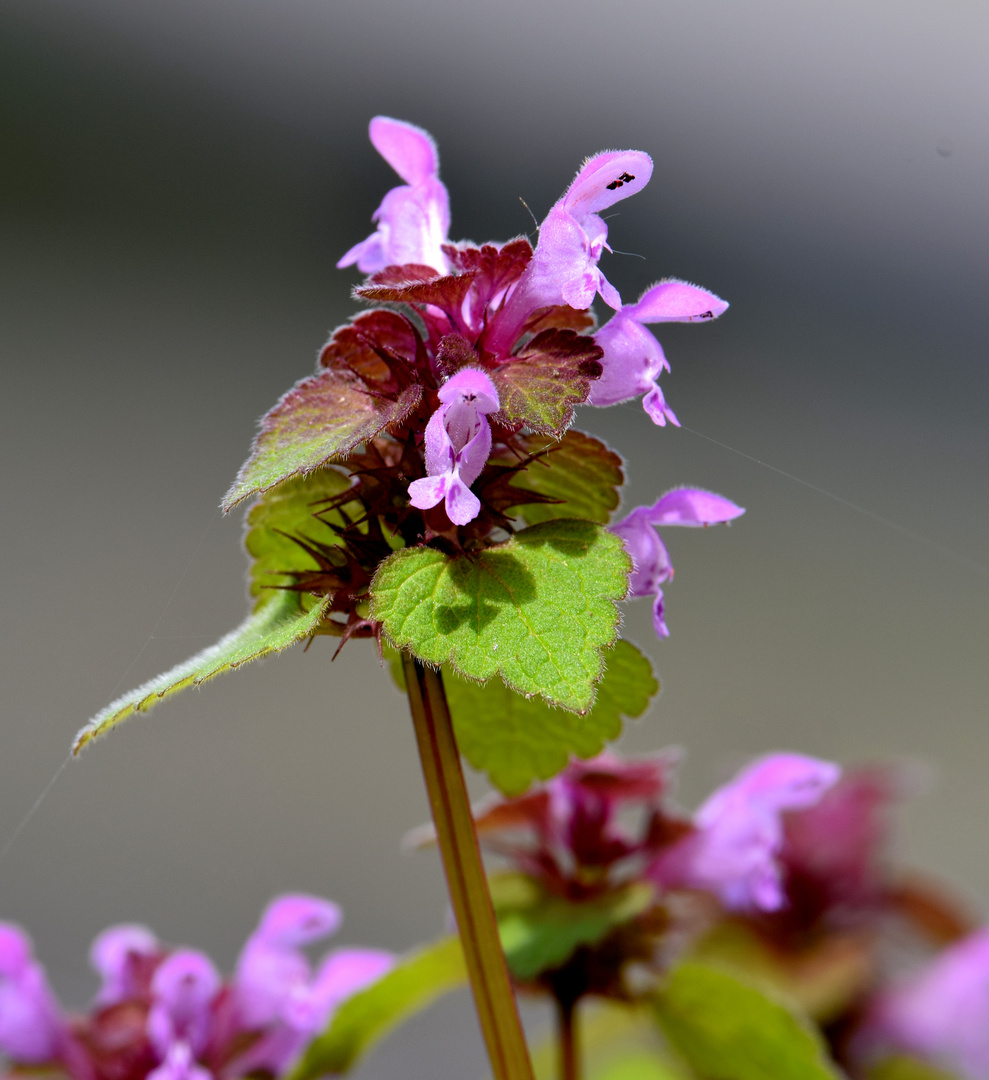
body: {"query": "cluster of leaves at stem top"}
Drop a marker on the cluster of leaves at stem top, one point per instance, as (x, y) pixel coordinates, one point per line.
(423, 487)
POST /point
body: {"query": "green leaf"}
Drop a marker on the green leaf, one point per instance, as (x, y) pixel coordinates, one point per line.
(616, 1041)
(367, 1017)
(539, 388)
(580, 471)
(536, 610)
(273, 627)
(727, 1029)
(516, 741)
(899, 1067)
(322, 417)
(283, 512)
(540, 931)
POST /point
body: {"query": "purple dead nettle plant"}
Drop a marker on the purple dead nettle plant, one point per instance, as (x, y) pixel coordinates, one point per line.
(425, 488)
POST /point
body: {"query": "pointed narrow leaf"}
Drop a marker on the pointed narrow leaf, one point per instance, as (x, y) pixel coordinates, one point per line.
(286, 511)
(325, 416)
(516, 741)
(273, 627)
(536, 610)
(367, 1017)
(579, 471)
(727, 1029)
(539, 388)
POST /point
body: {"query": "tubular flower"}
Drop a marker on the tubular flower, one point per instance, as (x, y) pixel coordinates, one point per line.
(942, 1014)
(734, 852)
(650, 559)
(414, 218)
(572, 238)
(276, 989)
(458, 441)
(31, 1026)
(124, 956)
(633, 358)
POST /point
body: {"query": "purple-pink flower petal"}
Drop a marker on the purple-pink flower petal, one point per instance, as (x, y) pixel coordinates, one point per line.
(942, 1014)
(32, 1030)
(116, 954)
(182, 990)
(572, 238)
(734, 852)
(651, 564)
(458, 442)
(180, 1064)
(413, 219)
(633, 358)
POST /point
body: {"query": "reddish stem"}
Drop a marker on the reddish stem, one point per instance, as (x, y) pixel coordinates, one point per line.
(468, 886)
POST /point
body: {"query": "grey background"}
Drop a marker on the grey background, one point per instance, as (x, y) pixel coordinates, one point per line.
(177, 181)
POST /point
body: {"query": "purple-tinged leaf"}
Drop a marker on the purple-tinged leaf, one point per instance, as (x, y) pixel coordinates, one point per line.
(322, 417)
(447, 292)
(539, 387)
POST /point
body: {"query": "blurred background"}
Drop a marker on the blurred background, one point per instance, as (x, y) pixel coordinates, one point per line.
(177, 181)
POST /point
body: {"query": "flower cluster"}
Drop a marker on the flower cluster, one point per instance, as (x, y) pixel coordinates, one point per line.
(434, 396)
(782, 868)
(577, 845)
(166, 1014)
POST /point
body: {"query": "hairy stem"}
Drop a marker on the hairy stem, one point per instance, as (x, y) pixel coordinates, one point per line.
(566, 1031)
(468, 886)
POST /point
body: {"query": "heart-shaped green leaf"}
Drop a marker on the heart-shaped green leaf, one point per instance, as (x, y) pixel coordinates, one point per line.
(536, 610)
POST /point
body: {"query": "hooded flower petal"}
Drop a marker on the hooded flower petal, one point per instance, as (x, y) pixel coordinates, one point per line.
(734, 852)
(414, 218)
(32, 1030)
(633, 358)
(458, 441)
(943, 1013)
(117, 956)
(650, 559)
(272, 966)
(572, 238)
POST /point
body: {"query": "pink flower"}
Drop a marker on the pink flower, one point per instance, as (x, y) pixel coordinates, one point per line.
(31, 1026)
(650, 559)
(633, 358)
(414, 218)
(734, 852)
(124, 956)
(942, 1014)
(458, 441)
(183, 989)
(276, 989)
(572, 238)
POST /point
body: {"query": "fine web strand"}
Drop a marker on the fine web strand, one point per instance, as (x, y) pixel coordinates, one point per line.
(949, 553)
(23, 823)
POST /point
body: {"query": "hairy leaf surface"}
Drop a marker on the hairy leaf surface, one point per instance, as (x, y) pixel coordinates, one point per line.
(579, 471)
(539, 388)
(273, 627)
(727, 1029)
(517, 741)
(536, 610)
(322, 417)
(367, 1017)
(540, 931)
